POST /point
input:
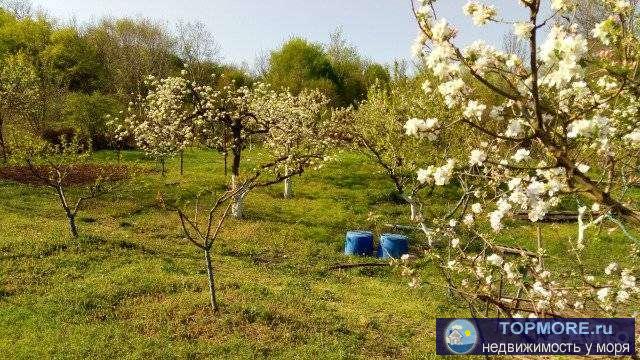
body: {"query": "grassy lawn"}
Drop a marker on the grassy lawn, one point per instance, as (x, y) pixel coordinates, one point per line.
(131, 287)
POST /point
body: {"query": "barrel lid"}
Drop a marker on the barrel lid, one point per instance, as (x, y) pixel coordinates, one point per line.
(394, 237)
(356, 232)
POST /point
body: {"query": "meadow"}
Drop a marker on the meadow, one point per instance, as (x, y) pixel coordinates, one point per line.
(132, 287)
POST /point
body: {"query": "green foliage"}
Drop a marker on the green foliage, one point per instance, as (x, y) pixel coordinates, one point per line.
(224, 75)
(66, 151)
(339, 72)
(378, 129)
(132, 280)
(376, 73)
(131, 50)
(354, 74)
(88, 113)
(76, 60)
(18, 90)
(300, 64)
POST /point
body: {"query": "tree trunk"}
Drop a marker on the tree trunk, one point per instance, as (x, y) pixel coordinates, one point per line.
(212, 284)
(226, 155)
(600, 196)
(71, 216)
(181, 162)
(237, 207)
(3, 145)
(162, 165)
(288, 192)
(238, 201)
(592, 188)
(72, 225)
(414, 211)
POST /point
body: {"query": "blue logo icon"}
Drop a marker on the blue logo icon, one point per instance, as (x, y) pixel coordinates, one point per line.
(461, 336)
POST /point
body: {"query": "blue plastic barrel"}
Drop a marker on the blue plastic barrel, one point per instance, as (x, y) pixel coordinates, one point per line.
(393, 246)
(359, 243)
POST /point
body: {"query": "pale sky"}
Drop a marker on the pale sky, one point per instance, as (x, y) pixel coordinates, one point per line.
(383, 30)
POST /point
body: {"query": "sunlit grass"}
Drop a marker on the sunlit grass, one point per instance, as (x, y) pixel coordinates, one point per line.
(131, 287)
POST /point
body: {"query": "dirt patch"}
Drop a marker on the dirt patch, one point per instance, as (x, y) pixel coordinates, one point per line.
(76, 175)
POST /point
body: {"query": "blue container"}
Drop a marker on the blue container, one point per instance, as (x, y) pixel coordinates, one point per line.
(359, 243)
(393, 246)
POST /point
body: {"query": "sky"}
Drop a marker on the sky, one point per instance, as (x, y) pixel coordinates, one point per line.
(382, 30)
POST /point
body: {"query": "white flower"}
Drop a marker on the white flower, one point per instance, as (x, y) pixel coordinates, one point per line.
(603, 293)
(514, 129)
(495, 260)
(418, 45)
(474, 109)
(476, 208)
(441, 31)
(418, 128)
(633, 137)
(622, 6)
(481, 14)
(523, 29)
(521, 154)
(453, 223)
(514, 183)
(579, 305)
(601, 31)
(455, 242)
(451, 91)
(561, 52)
(412, 127)
(611, 268)
(539, 289)
(511, 270)
(627, 281)
(468, 219)
(503, 206)
(580, 128)
(563, 5)
(495, 218)
(443, 174)
(595, 207)
(583, 168)
(512, 61)
(424, 175)
(477, 157)
(622, 296)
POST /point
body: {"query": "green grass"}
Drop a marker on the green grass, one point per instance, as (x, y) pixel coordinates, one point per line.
(131, 287)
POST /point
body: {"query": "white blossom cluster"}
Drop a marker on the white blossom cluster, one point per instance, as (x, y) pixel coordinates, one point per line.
(422, 128)
(161, 122)
(561, 124)
(296, 131)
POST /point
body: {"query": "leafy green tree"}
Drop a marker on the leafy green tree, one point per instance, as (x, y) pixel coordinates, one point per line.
(300, 65)
(87, 113)
(376, 73)
(75, 61)
(18, 89)
(60, 58)
(131, 50)
(337, 69)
